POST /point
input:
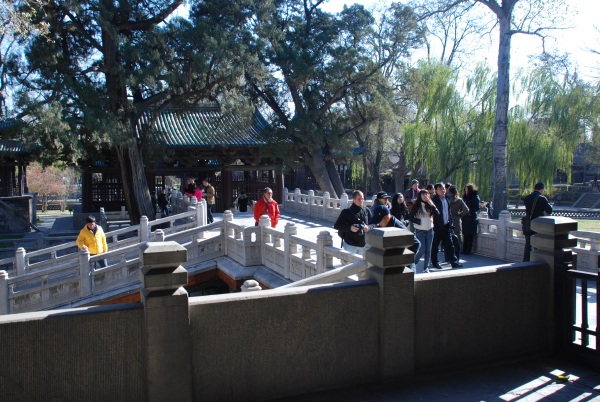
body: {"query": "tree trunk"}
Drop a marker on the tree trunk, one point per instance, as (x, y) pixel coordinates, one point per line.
(316, 164)
(400, 171)
(499, 167)
(135, 186)
(334, 176)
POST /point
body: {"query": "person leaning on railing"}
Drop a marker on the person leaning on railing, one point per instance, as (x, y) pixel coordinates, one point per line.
(92, 238)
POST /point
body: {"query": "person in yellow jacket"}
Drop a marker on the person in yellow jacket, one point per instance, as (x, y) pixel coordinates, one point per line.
(92, 238)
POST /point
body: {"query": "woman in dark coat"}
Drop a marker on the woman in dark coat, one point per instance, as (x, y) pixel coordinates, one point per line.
(399, 208)
(470, 221)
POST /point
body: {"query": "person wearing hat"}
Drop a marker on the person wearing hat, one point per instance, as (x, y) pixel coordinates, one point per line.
(535, 205)
(382, 217)
(92, 238)
(382, 198)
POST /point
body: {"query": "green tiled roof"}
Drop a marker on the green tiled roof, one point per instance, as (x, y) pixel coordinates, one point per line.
(206, 127)
(12, 147)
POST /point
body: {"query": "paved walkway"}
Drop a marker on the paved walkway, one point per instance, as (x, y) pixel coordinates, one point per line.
(55, 223)
(536, 380)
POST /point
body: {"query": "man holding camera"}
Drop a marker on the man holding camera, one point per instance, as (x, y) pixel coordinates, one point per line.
(352, 224)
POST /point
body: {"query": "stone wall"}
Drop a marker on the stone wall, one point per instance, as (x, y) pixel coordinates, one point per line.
(276, 343)
(88, 354)
(16, 214)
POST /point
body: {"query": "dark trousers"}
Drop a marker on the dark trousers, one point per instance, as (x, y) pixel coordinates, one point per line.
(209, 217)
(527, 252)
(443, 235)
(100, 263)
(468, 243)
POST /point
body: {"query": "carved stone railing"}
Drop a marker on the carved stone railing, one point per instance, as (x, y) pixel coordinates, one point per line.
(318, 207)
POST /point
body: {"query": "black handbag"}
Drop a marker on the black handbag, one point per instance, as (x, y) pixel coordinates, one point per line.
(526, 220)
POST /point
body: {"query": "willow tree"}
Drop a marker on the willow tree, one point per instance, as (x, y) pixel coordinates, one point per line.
(449, 136)
(531, 17)
(107, 63)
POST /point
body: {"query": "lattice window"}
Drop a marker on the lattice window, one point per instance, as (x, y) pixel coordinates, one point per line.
(107, 187)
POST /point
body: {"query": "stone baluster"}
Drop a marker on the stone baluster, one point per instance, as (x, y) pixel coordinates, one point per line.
(325, 204)
(297, 196)
(305, 252)
(4, 293)
(552, 244)
(124, 214)
(159, 235)
(311, 195)
(323, 261)
(227, 230)
(344, 201)
(390, 258)
(20, 261)
(166, 321)
(289, 247)
(265, 222)
(250, 286)
(502, 235)
(85, 274)
(144, 229)
(285, 198)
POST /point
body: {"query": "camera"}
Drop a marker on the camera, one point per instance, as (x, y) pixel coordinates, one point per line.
(361, 228)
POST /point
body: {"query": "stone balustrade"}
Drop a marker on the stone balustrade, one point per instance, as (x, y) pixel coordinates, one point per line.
(501, 239)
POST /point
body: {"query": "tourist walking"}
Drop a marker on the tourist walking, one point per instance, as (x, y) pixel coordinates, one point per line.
(535, 205)
(267, 206)
(163, 203)
(470, 221)
(421, 216)
(442, 229)
(458, 208)
(353, 223)
(93, 239)
(210, 199)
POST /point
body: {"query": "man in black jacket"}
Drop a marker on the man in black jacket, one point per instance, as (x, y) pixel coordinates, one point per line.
(535, 205)
(442, 229)
(353, 223)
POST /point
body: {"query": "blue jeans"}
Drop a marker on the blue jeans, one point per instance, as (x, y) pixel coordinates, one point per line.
(354, 249)
(426, 238)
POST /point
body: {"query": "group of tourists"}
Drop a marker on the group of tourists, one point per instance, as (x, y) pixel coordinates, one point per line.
(440, 215)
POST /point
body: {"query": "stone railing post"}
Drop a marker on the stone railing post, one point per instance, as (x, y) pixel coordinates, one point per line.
(264, 222)
(297, 194)
(144, 230)
(344, 201)
(166, 321)
(502, 235)
(103, 220)
(310, 197)
(227, 230)
(324, 238)
(4, 300)
(124, 214)
(285, 198)
(250, 286)
(20, 261)
(390, 258)
(203, 209)
(85, 274)
(325, 204)
(552, 244)
(159, 235)
(289, 230)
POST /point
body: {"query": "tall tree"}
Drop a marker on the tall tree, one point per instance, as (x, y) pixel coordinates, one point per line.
(532, 17)
(310, 61)
(107, 63)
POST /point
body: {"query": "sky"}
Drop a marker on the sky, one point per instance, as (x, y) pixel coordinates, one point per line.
(577, 40)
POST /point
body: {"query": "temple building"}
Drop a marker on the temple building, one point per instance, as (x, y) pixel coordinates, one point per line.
(233, 153)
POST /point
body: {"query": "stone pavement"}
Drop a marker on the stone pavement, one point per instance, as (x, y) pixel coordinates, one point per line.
(310, 228)
(532, 380)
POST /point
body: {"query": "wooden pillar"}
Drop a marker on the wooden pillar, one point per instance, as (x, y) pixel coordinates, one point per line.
(86, 191)
(227, 190)
(279, 184)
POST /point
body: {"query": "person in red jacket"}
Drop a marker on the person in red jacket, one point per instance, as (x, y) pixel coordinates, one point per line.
(267, 206)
